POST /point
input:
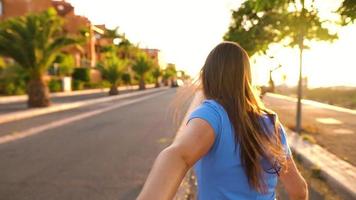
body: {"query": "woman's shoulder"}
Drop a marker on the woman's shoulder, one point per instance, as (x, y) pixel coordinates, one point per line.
(209, 106)
(210, 111)
(212, 104)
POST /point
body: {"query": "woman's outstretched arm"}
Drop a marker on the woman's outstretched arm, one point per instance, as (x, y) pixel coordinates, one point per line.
(172, 163)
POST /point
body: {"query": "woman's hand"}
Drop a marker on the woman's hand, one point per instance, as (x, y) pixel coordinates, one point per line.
(171, 165)
(293, 181)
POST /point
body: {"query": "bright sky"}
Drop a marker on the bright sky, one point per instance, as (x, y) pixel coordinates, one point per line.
(186, 30)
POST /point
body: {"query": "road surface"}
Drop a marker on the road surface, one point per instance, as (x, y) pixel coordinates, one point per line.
(105, 156)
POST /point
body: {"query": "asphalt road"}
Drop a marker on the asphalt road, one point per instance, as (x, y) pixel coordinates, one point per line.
(106, 156)
(332, 129)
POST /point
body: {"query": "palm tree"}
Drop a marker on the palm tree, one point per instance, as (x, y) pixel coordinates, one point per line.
(141, 66)
(111, 69)
(169, 74)
(34, 41)
(157, 73)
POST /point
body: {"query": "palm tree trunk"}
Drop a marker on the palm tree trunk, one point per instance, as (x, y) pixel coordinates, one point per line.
(113, 90)
(38, 93)
(157, 85)
(166, 82)
(142, 85)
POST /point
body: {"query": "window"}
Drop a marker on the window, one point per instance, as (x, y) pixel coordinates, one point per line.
(60, 7)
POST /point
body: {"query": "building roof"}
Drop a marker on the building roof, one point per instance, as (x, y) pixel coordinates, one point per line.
(62, 7)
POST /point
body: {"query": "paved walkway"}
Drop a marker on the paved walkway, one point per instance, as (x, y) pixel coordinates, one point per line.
(18, 103)
(333, 129)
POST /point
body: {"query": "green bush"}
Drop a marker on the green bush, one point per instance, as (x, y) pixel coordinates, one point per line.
(126, 78)
(13, 80)
(66, 64)
(77, 85)
(102, 84)
(9, 88)
(149, 78)
(105, 84)
(90, 85)
(81, 74)
(55, 85)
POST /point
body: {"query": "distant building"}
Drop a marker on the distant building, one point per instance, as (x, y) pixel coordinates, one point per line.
(13, 8)
(153, 54)
(87, 54)
(74, 24)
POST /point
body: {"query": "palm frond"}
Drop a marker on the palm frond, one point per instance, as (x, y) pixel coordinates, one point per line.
(33, 41)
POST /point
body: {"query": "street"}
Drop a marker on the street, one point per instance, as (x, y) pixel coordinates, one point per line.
(105, 156)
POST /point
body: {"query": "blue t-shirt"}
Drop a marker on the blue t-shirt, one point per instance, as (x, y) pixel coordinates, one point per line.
(219, 173)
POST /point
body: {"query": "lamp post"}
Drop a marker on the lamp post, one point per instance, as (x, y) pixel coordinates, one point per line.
(298, 125)
(271, 82)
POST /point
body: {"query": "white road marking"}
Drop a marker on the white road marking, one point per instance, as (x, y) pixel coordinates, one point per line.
(343, 131)
(58, 123)
(328, 121)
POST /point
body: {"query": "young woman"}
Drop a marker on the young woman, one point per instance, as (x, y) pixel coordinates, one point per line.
(239, 147)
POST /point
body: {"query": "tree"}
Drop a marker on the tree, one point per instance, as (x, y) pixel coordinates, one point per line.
(34, 41)
(258, 23)
(127, 50)
(169, 73)
(112, 33)
(112, 70)
(347, 11)
(66, 64)
(248, 28)
(141, 66)
(183, 75)
(126, 78)
(157, 73)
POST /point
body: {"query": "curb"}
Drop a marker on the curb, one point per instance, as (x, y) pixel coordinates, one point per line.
(338, 173)
(67, 106)
(20, 98)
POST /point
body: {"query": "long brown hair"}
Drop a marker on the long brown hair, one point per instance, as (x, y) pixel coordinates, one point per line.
(226, 78)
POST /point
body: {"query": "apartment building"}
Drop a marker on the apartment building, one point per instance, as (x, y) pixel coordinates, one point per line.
(74, 24)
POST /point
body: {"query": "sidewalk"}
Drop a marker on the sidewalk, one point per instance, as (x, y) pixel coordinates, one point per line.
(339, 174)
(23, 98)
(331, 127)
(27, 113)
(12, 131)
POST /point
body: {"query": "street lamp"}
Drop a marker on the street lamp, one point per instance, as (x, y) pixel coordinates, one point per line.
(271, 82)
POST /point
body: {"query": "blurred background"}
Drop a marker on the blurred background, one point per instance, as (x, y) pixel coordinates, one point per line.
(97, 79)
